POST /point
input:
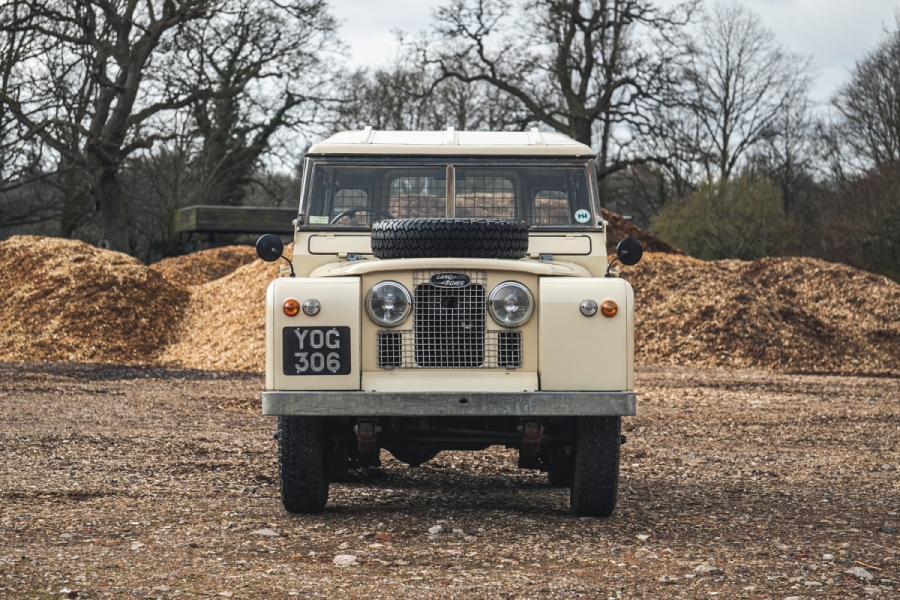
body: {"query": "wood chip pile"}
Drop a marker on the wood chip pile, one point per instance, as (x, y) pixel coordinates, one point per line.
(70, 301)
(204, 266)
(64, 300)
(224, 328)
(786, 314)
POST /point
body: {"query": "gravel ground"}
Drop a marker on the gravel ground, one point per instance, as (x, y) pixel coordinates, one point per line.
(150, 483)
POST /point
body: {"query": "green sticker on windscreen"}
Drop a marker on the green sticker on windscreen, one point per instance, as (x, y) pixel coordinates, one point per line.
(582, 216)
(315, 220)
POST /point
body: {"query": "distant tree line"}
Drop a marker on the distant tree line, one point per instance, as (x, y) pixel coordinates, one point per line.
(115, 114)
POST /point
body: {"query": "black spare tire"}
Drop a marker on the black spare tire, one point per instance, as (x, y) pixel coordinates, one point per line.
(449, 238)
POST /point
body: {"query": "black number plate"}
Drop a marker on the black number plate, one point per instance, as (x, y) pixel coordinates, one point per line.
(316, 350)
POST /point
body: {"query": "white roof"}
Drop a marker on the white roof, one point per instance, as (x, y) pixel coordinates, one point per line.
(451, 142)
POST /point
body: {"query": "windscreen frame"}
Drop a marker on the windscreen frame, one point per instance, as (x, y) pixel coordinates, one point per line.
(452, 164)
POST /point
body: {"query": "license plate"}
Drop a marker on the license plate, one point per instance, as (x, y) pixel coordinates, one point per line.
(316, 350)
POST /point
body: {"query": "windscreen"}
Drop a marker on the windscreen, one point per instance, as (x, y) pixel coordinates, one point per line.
(357, 194)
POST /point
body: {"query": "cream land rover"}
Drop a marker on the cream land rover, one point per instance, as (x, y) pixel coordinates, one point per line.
(449, 291)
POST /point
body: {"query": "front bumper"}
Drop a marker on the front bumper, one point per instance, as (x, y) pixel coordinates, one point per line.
(449, 404)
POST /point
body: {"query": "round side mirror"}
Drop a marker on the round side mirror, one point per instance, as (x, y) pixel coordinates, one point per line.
(629, 251)
(269, 247)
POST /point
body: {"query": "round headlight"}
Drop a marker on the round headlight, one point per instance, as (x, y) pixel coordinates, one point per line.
(388, 303)
(510, 304)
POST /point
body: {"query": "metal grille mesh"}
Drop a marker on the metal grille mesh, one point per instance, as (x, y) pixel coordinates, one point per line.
(449, 324)
(449, 330)
(499, 350)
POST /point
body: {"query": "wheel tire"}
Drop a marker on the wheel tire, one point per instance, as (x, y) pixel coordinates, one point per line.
(301, 464)
(596, 476)
(449, 238)
(562, 468)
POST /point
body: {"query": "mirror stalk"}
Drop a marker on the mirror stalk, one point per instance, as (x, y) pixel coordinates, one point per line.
(609, 266)
(290, 264)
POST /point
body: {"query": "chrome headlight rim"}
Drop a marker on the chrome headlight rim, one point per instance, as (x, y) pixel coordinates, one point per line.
(493, 295)
(379, 321)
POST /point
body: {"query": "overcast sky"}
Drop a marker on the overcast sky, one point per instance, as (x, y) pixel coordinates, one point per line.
(835, 33)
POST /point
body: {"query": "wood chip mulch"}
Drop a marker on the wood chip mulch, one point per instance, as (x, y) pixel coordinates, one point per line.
(204, 266)
(787, 314)
(70, 301)
(150, 483)
(66, 300)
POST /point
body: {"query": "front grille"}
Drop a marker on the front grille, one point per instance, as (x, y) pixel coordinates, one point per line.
(449, 323)
(500, 350)
(509, 349)
(449, 330)
(390, 349)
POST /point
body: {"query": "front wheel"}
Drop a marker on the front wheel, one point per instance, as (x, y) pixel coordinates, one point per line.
(301, 464)
(596, 475)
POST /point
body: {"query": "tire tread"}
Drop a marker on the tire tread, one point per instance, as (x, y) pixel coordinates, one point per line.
(301, 466)
(596, 477)
(449, 238)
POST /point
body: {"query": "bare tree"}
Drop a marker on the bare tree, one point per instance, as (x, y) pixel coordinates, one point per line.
(99, 83)
(582, 67)
(867, 134)
(790, 159)
(391, 98)
(22, 162)
(98, 51)
(669, 142)
(254, 68)
(408, 95)
(738, 86)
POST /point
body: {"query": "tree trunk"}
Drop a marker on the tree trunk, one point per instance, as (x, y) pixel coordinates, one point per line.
(70, 219)
(108, 198)
(583, 131)
(76, 201)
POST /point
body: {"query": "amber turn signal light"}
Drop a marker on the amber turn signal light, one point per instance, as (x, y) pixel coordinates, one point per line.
(291, 307)
(609, 308)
